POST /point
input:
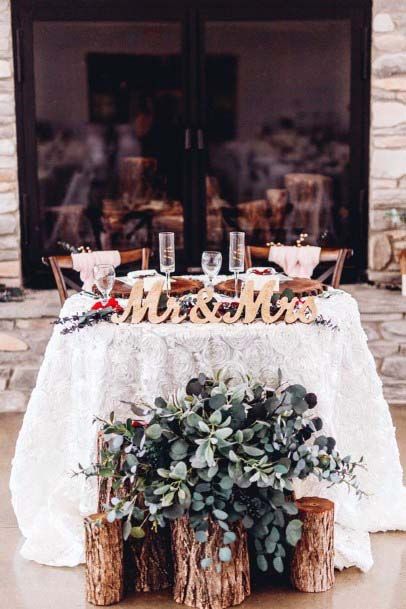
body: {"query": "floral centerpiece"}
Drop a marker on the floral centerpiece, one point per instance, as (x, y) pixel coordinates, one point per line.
(222, 451)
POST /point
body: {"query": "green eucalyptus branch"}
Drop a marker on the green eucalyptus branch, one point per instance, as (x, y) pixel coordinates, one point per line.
(224, 451)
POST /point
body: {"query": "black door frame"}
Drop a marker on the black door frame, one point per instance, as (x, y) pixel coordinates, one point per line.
(191, 14)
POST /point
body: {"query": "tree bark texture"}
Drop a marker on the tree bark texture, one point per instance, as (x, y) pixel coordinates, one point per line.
(148, 561)
(104, 560)
(312, 568)
(104, 485)
(207, 588)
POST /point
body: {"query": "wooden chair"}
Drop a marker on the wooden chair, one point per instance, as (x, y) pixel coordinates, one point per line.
(327, 255)
(57, 263)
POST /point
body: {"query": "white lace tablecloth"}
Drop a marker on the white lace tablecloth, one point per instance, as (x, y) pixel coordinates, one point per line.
(90, 372)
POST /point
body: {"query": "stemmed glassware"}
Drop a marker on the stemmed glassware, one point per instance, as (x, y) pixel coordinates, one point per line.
(104, 275)
(211, 265)
(167, 256)
(236, 256)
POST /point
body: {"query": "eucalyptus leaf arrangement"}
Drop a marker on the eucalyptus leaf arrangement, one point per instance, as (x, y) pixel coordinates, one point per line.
(222, 450)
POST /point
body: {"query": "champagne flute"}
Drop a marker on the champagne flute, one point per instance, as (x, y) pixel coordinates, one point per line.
(167, 256)
(236, 256)
(104, 275)
(211, 265)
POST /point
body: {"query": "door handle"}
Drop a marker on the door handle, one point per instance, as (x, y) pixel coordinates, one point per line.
(200, 139)
(188, 138)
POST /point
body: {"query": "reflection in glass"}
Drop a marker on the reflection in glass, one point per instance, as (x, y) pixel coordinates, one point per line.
(211, 265)
(109, 136)
(277, 131)
(104, 275)
(236, 256)
(167, 256)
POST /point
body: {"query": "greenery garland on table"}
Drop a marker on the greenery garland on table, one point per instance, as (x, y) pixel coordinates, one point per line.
(226, 451)
(98, 312)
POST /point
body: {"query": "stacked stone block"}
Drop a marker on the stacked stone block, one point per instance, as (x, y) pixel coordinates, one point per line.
(388, 138)
(25, 329)
(383, 317)
(10, 254)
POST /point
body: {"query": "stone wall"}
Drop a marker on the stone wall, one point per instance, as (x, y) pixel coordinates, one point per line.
(25, 329)
(383, 317)
(388, 143)
(388, 137)
(10, 256)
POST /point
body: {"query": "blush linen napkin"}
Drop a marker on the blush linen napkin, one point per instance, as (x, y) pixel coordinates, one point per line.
(296, 261)
(84, 264)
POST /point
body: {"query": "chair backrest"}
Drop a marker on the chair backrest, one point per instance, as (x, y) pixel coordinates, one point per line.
(337, 256)
(57, 263)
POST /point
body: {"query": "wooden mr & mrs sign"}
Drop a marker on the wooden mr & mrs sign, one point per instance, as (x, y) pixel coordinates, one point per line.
(140, 308)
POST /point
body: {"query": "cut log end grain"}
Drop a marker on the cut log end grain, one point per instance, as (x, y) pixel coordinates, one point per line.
(207, 588)
(312, 568)
(104, 560)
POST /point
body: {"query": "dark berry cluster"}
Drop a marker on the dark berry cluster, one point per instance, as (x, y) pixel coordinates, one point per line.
(253, 504)
(311, 399)
(152, 455)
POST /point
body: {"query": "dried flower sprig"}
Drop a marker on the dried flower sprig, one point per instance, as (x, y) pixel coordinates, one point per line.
(86, 319)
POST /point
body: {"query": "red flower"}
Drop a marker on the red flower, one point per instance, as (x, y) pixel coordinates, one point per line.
(112, 303)
(136, 423)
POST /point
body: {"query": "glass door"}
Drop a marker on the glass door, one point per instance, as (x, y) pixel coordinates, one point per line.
(194, 118)
(109, 133)
(284, 147)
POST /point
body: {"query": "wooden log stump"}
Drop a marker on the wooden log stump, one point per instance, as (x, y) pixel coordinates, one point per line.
(105, 489)
(148, 562)
(207, 588)
(312, 568)
(104, 560)
(104, 485)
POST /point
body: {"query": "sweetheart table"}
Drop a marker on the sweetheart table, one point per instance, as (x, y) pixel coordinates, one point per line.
(96, 370)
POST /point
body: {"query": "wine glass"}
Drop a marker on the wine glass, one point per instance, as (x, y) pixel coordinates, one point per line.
(167, 256)
(211, 265)
(104, 275)
(236, 256)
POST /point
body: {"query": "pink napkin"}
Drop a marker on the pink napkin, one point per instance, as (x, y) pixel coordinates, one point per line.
(296, 261)
(84, 264)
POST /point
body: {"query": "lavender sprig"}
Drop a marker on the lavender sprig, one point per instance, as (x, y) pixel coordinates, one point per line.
(85, 319)
(327, 323)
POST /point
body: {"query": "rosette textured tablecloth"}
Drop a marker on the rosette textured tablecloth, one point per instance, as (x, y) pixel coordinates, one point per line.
(91, 372)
